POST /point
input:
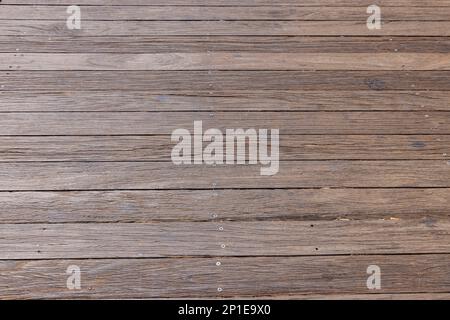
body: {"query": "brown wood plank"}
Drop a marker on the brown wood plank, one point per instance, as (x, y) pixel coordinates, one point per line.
(225, 61)
(164, 175)
(329, 277)
(176, 239)
(223, 28)
(199, 13)
(157, 81)
(339, 297)
(157, 148)
(224, 205)
(191, 44)
(430, 3)
(273, 100)
(143, 123)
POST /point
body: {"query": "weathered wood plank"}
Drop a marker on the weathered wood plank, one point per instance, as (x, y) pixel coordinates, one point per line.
(199, 13)
(157, 148)
(224, 205)
(271, 100)
(175, 239)
(430, 3)
(369, 296)
(225, 61)
(224, 80)
(223, 28)
(329, 277)
(143, 123)
(191, 44)
(164, 175)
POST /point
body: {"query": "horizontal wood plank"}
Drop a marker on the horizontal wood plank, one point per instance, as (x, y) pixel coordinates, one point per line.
(223, 28)
(202, 44)
(225, 61)
(175, 239)
(164, 175)
(200, 13)
(158, 148)
(240, 100)
(331, 277)
(157, 123)
(224, 80)
(357, 297)
(224, 205)
(430, 3)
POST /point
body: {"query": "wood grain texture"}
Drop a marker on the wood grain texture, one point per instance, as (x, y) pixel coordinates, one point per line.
(86, 176)
(224, 80)
(358, 297)
(176, 239)
(225, 61)
(224, 205)
(243, 100)
(329, 277)
(158, 148)
(364, 3)
(223, 28)
(192, 44)
(164, 175)
(200, 13)
(158, 123)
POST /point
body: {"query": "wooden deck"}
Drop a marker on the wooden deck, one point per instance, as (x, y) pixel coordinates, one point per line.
(86, 177)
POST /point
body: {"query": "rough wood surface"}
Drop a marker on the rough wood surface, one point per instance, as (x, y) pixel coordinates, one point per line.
(157, 148)
(53, 28)
(295, 277)
(192, 44)
(224, 205)
(163, 175)
(175, 239)
(225, 61)
(273, 100)
(85, 171)
(224, 80)
(363, 3)
(276, 13)
(145, 123)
